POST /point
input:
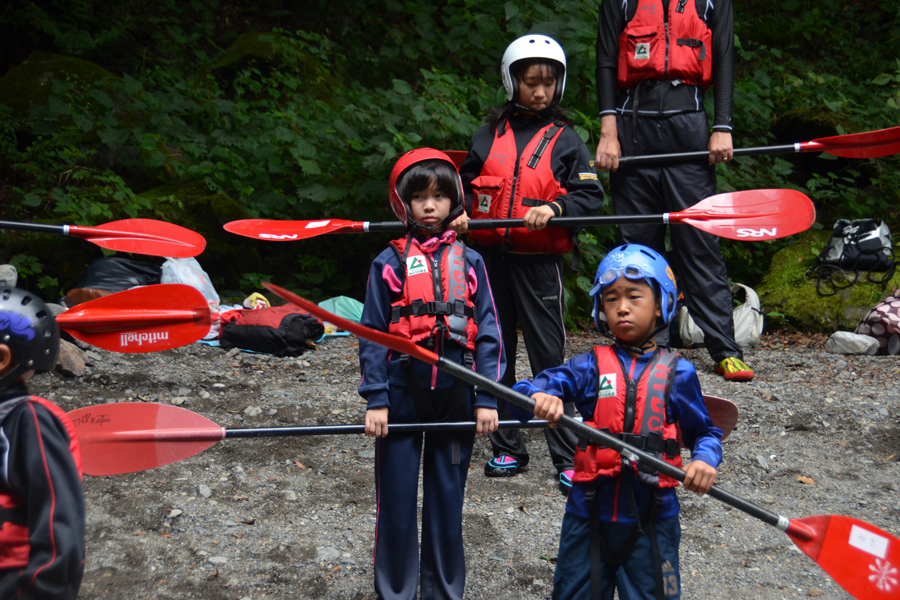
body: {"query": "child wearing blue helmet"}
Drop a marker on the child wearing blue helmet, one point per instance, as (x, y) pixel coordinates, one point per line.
(621, 529)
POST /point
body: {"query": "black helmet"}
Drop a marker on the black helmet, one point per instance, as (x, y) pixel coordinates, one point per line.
(29, 329)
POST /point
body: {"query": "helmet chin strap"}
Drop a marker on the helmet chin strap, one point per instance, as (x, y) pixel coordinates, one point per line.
(544, 112)
(645, 346)
(453, 214)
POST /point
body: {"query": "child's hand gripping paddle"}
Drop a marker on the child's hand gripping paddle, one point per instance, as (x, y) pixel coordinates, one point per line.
(860, 557)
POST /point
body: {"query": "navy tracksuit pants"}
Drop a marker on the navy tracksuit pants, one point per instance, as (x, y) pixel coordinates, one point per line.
(670, 187)
(528, 292)
(398, 566)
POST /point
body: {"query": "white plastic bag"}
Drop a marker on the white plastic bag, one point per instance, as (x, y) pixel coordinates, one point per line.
(748, 321)
(188, 271)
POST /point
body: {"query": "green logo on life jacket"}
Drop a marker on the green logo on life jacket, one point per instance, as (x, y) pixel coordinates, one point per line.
(607, 387)
(642, 51)
(484, 203)
(416, 265)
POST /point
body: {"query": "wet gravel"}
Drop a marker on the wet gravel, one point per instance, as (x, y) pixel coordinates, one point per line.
(294, 517)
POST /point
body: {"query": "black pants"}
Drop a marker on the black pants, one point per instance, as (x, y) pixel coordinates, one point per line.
(528, 292)
(670, 187)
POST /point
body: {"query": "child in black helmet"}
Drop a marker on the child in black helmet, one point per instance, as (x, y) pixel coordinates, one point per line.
(426, 287)
(41, 496)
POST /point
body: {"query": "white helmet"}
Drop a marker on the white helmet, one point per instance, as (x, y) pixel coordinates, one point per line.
(528, 47)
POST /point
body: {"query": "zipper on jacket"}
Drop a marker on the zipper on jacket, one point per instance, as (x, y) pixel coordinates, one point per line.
(438, 297)
(512, 191)
(666, 20)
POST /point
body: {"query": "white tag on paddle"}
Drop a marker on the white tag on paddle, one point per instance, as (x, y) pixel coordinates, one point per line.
(867, 541)
(315, 224)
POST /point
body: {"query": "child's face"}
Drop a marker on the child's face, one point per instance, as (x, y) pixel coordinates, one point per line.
(429, 207)
(537, 86)
(631, 310)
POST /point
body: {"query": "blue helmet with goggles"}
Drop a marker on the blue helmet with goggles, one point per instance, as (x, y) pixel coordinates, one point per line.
(636, 262)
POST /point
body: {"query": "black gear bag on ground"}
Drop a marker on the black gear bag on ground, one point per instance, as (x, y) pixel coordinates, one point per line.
(279, 330)
(854, 246)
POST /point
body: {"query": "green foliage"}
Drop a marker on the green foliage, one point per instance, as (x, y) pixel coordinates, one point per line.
(299, 113)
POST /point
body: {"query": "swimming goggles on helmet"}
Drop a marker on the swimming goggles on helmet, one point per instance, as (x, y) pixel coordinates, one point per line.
(632, 272)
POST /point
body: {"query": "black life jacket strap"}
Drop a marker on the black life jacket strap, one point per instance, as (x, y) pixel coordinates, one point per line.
(693, 43)
(542, 145)
(651, 443)
(418, 308)
(17, 516)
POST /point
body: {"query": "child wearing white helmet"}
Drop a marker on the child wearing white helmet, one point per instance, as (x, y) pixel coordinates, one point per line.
(429, 288)
(42, 514)
(528, 162)
(621, 529)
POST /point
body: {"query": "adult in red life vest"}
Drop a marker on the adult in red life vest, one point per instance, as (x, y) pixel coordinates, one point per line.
(41, 495)
(429, 288)
(621, 529)
(528, 162)
(655, 61)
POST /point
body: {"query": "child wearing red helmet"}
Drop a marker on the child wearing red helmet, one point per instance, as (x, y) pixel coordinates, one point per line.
(42, 514)
(621, 529)
(429, 288)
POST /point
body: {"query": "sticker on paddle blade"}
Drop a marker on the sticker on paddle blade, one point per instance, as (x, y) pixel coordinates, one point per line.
(861, 558)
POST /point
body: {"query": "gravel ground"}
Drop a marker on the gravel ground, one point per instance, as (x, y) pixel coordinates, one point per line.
(294, 517)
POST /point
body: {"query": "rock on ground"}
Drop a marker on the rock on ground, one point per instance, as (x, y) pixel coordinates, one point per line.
(286, 518)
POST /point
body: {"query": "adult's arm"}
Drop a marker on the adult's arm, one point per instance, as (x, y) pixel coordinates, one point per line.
(610, 25)
(721, 23)
(42, 472)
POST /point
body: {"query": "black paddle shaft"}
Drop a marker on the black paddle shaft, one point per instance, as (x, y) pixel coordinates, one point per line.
(35, 227)
(392, 428)
(571, 222)
(630, 161)
(630, 452)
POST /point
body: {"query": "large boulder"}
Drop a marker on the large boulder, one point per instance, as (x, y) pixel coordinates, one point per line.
(30, 83)
(786, 290)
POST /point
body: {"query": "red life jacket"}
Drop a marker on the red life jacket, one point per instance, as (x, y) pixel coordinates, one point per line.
(14, 545)
(433, 289)
(530, 178)
(638, 407)
(657, 46)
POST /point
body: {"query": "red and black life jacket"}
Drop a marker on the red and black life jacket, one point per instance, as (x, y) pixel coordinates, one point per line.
(509, 185)
(434, 289)
(14, 545)
(635, 412)
(659, 46)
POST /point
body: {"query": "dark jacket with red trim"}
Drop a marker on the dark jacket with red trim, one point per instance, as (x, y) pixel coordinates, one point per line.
(667, 99)
(381, 368)
(566, 170)
(40, 471)
(576, 381)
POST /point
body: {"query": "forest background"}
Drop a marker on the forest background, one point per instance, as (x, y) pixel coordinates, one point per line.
(203, 112)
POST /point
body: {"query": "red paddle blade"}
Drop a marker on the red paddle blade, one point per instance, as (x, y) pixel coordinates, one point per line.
(869, 144)
(143, 236)
(724, 415)
(291, 231)
(861, 558)
(457, 156)
(379, 337)
(146, 319)
(753, 215)
(136, 436)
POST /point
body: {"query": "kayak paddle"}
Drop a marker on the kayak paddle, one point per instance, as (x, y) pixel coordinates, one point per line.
(869, 144)
(752, 215)
(860, 557)
(144, 319)
(140, 236)
(127, 437)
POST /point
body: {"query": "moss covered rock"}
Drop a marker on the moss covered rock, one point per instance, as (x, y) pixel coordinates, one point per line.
(785, 290)
(30, 83)
(268, 52)
(227, 257)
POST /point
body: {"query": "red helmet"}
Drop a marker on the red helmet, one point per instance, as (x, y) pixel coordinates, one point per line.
(401, 208)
